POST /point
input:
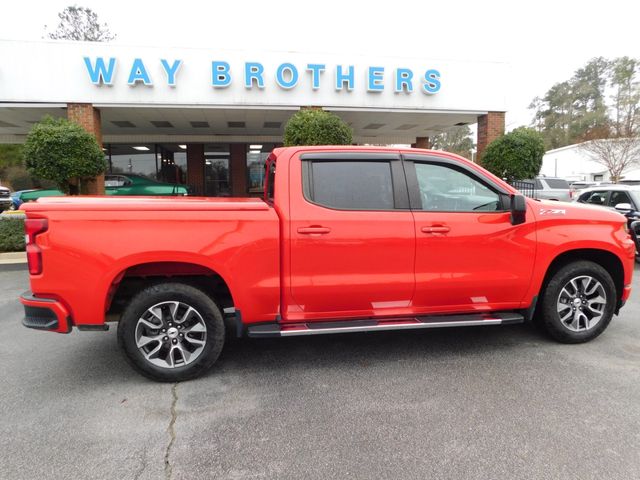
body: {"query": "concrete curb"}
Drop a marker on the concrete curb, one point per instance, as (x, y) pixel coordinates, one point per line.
(10, 258)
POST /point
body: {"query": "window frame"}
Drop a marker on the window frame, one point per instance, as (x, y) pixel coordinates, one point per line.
(415, 198)
(398, 182)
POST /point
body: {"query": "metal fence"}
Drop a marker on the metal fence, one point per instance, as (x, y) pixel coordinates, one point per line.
(526, 187)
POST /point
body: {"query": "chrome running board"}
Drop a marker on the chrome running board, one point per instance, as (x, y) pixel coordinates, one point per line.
(372, 325)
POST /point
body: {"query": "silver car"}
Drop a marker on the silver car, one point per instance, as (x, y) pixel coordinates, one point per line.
(626, 197)
(5, 199)
(546, 188)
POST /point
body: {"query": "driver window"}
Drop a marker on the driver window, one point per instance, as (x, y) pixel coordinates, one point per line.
(446, 189)
(595, 198)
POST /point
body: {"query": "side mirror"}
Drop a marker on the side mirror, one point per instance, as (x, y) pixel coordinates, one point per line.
(623, 207)
(518, 209)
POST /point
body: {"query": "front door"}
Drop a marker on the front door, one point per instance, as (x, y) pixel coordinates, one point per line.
(468, 255)
(352, 236)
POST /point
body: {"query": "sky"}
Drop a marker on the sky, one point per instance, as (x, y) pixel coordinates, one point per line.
(544, 41)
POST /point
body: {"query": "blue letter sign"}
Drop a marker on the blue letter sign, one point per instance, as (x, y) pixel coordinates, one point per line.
(220, 76)
(100, 73)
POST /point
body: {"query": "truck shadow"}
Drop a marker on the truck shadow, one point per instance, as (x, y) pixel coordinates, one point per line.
(98, 358)
(343, 350)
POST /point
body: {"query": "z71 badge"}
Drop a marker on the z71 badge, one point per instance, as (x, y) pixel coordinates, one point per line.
(553, 211)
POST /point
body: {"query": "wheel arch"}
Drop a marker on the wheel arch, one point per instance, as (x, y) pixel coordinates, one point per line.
(606, 259)
(134, 277)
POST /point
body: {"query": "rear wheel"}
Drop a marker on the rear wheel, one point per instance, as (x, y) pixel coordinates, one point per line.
(171, 332)
(578, 302)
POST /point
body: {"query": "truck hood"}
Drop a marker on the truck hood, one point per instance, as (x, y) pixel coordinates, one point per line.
(549, 209)
(146, 203)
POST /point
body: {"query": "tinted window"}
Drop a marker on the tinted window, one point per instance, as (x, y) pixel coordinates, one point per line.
(356, 185)
(595, 198)
(445, 189)
(557, 183)
(619, 197)
(271, 180)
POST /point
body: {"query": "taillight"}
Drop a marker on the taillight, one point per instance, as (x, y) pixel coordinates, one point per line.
(34, 227)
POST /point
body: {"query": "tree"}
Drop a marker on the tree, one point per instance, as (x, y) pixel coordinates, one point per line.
(616, 154)
(578, 109)
(456, 140)
(316, 127)
(626, 98)
(62, 151)
(80, 23)
(516, 155)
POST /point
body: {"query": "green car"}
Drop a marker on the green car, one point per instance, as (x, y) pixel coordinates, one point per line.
(119, 185)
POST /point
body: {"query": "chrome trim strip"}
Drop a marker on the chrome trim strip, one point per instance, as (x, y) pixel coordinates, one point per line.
(396, 326)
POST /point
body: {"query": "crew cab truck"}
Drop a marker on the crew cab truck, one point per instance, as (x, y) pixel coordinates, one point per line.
(346, 239)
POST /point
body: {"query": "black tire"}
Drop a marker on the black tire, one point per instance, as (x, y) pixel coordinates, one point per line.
(548, 317)
(206, 313)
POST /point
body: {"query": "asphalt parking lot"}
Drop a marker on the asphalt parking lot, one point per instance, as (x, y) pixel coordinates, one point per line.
(485, 403)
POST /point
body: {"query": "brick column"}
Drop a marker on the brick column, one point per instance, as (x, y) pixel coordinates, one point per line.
(238, 167)
(422, 142)
(195, 167)
(88, 118)
(490, 127)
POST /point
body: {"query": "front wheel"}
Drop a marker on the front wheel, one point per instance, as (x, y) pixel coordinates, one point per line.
(171, 332)
(578, 302)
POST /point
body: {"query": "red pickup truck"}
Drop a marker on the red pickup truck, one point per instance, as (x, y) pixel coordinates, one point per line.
(346, 239)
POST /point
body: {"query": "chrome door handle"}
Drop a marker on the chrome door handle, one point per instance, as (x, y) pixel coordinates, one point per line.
(314, 230)
(435, 229)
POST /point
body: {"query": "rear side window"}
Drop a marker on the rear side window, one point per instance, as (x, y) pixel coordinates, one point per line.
(619, 197)
(557, 183)
(350, 185)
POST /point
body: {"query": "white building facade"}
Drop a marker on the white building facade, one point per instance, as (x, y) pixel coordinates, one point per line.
(574, 163)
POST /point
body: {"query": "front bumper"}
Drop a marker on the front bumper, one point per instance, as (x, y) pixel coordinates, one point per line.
(45, 314)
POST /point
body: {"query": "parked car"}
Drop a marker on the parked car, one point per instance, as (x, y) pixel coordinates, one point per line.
(346, 239)
(16, 199)
(622, 198)
(120, 184)
(550, 188)
(5, 199)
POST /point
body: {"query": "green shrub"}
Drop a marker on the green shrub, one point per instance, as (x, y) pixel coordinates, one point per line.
(62, 151)
(316, 127)
(11, 234)
(516, 155)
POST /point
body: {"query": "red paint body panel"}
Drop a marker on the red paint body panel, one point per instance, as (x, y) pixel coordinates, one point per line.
(291, 260)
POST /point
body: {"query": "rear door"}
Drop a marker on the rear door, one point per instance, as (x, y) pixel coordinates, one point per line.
(616, 197)
(352, 235)
(468, 255)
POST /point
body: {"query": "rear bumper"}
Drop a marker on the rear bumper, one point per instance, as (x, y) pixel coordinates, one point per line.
(45, 314)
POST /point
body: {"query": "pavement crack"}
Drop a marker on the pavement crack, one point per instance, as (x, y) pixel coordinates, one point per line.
(168, 468)
(143, 465)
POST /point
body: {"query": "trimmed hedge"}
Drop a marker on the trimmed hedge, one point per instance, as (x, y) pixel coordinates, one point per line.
(516, 155)
(316, 127)
(11, 234)
(63, 152)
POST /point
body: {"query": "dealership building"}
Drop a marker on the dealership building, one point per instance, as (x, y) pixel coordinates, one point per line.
(208, 117)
